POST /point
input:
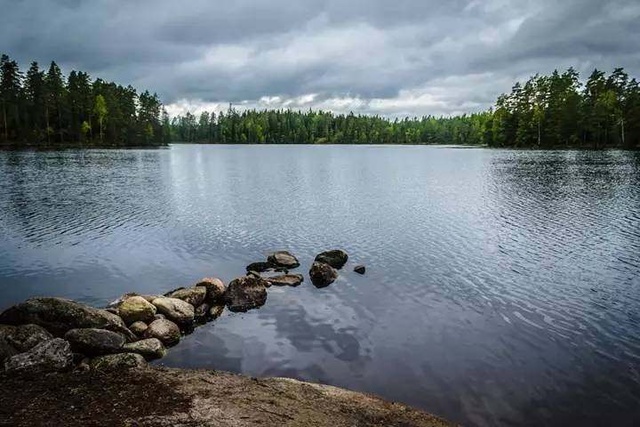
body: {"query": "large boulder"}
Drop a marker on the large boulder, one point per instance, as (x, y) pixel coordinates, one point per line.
(150, 348)
(58, 315)
(322, 274)
(25, 337)
(136, 309)
(176, 310)
(48, 356)
(336, 258)
(164, 330)
(283, 259)
(286, 280)
(215, 289)
(194, 296)
(245, 293)
(116, 362)
(94, 342)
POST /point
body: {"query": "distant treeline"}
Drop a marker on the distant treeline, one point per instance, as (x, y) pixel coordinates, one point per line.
(546, 112)
(46, 110)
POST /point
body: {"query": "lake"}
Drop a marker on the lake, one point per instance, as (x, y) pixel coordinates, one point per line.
(502, 287)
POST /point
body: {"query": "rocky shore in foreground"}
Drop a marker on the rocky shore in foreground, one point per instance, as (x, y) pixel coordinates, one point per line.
(61, 358)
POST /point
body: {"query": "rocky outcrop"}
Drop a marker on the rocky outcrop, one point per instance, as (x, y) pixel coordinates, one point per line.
(360, 269)
(94, 342)
(194, 296)
(59, 315)
(49, 356)
(150, 348)
(283, 259)
(246, 293)
(176, 310)
(286, 280)
(136, 309)
(322, 274)
(116, 362)
(215, 289)
(164, 330)
(336, 258)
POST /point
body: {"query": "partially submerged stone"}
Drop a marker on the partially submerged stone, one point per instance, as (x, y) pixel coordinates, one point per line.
(286, 280)
(176, 310)
(360, 269)
(25, 337)
(258, 267)
(336, 258)
(94, 342)
(58, 315)
(49, 356)
(150, 348)
(283, 259)
(194, 295)
(322, 274)
(136, 308)
(164, 330)
(113, 362)
(215, 289)
(246, 293)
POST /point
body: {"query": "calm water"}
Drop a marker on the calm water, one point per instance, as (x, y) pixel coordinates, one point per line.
(503, 287)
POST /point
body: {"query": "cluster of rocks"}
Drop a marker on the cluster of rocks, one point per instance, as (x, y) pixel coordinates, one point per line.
(55, 334)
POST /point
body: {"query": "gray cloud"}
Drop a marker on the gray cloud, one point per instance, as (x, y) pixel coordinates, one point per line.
(400, 57)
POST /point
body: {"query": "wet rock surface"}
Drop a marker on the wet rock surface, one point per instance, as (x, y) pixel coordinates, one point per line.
(194, 295)
(283, 259)
(286, 280)
(246, 293)
(336, 258)
(322, 275)
(164, 330)
(150, 348)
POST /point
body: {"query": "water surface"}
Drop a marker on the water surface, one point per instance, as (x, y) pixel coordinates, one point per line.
(503, 287)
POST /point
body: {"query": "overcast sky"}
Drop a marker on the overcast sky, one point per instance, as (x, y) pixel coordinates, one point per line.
(389, 57)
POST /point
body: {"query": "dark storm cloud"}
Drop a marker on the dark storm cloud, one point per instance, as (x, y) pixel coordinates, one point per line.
(390, 57)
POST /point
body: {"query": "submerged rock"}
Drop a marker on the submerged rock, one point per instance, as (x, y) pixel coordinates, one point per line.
(335, 258)
(215, 289)
(136, 308)
(360, 269)
(164, 330)
(286, 280)
(246, 293)
(59, 315)
(94, 342)
(176, 310)
(49, 356)
(114, 362)
(258, 267)
(194, 296)
(322, 275)
(150, 348)
(25, 337)
(138, 328)
(283, 259)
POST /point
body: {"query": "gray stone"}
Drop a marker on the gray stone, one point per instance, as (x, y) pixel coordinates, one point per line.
(58, 315)
(94, 342)
(138, 328)
(215, 289)
(176, 310)
(25, 337)
(6, 350)
(115, 362)
(283, 259)
(136, 309)
(286, 280)
(335, 258)
(246, 293)
(164, 330)
(322, 275)
(48, 356)
(194, 296)
(150, 348)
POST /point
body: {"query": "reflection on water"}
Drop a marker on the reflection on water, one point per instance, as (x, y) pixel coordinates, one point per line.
(502, 287)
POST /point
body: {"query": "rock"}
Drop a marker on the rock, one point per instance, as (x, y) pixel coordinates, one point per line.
(215, 289)
(245, 293)
(164, 330)
(159, 316)
(259, 267)
(84, 365)
(202, 312)
(94, 342)
(286, 280)
(6, 350)
(360, 269)
(283, 259)
(48, 356)
(150, 348)
(254, 274)
(194, 296)
(335, 258)
(116, 303)
(176, 310)
(216, 311)
(322, 275)
(138, 328)
(136, 308)
(25, 337)
(114, 362)
(58, 315)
